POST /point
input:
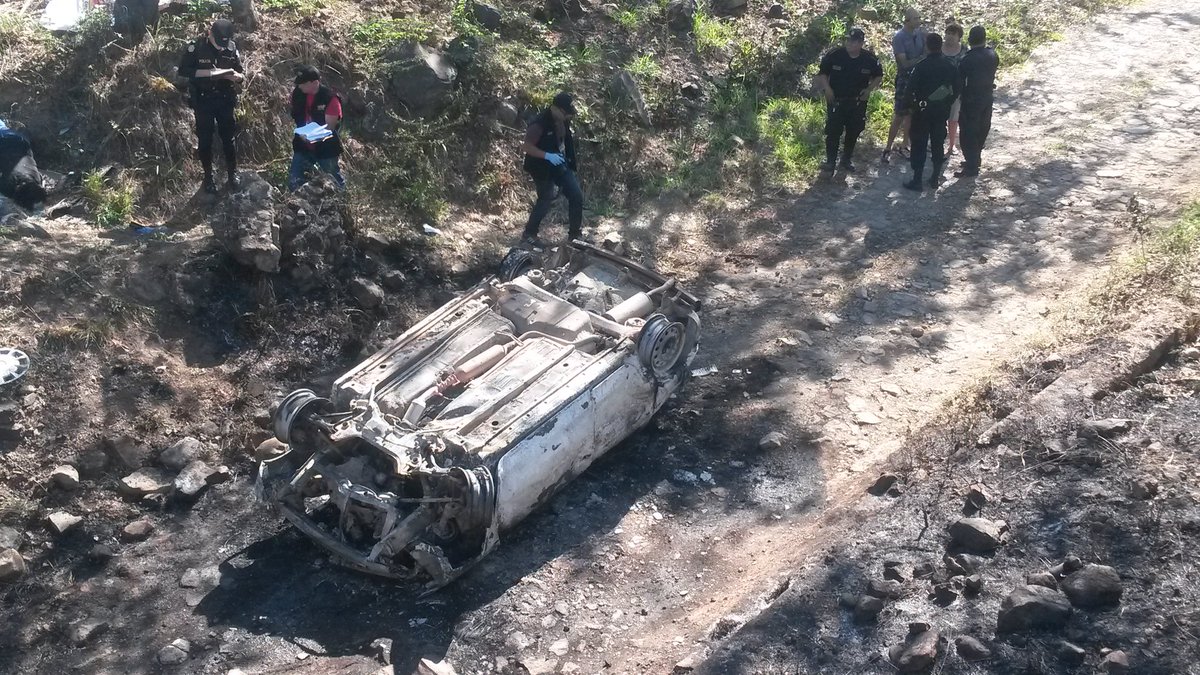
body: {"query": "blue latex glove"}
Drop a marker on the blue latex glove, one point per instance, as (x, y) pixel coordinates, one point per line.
(555, 158)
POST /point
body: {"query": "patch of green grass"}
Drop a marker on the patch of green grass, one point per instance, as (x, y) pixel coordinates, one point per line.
(795, 129)
(14, 508)
(462, 20)
(81, 334)
(644, 67)
(112, 204)
(544, 71)
(372, 38)
(299, 7)
(633, 18)
(712, 33)
(879, 115)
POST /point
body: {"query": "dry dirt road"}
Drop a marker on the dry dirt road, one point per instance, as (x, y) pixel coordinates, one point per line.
(841, 318)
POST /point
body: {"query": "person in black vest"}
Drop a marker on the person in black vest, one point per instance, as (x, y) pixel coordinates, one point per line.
(314, 102)
(931, 92)
(20, 179)
(847, 77)
(214, 67)
(550, 159)
(977, 79)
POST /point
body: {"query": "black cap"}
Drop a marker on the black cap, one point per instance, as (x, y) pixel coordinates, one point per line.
(222, 32)
(307, 74)
(564, 102)
(977, 36)
(856, 34)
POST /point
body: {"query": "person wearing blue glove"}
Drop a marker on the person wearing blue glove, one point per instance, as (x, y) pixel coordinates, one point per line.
(550, 160)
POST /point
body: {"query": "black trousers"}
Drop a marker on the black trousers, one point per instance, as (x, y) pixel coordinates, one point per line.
(928, 134)
(216, 114)
(565, 180)
(974, 124)
(844, 116)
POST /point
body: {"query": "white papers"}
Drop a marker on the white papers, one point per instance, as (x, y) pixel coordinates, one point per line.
(313, 132)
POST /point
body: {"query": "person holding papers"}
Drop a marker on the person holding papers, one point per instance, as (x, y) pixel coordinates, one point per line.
(213, 67)
(317, 111)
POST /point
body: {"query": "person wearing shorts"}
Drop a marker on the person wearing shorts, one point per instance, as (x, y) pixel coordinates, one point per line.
(908, 46)
(954, 51)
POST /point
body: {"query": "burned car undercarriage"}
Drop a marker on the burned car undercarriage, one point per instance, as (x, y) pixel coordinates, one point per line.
(450, 435)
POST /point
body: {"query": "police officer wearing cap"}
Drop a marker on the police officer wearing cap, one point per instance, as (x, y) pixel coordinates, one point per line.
(314, 102)
(550, 160)
(930, 94)
(213, 67)
(847, 77)
(977, 79)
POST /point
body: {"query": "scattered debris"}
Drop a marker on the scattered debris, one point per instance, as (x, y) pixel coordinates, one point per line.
(381, 649)
(148, 481)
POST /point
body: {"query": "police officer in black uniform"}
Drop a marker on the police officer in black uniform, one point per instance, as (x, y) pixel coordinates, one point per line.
(550, 160)
(847, 77)
(977, 79)
(931, 91)
(213, 66)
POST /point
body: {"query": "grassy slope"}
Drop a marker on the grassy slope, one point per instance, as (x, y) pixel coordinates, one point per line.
(754, 127)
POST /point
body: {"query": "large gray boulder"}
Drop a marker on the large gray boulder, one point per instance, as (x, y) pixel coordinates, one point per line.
(1033, 607)
(681, 15)
(422, 78)
(246, 225)
(978, 535)
(1093, 587)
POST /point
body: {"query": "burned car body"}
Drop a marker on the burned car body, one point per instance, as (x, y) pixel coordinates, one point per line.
(455, 431)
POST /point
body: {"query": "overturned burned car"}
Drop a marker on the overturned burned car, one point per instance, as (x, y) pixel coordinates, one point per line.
(455, 431)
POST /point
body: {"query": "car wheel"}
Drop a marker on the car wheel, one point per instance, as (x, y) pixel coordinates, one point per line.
(661, 346)
(518, 261)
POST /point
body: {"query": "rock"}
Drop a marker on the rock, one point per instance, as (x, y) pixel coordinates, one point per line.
(1053, 362)
(427, 667)
(421, 78)
(775, 11)
(102, 553)
(560, 647)
(1032, 607)
(126, 452)
(625, 87)
(973, 584)
(882, 484)
(488, 16)
(367, 293)
(10, 537)
(245, 224)
(193, 479)
(12, 565)
(1069, 565)
(65, 477)
(868, 608)
(681, 15)
(381, 649)
(1071, 654)
(219, 475)
(977, 498)
(946, 593)
(174, 653)
(691, 90)
(91, 463)
(924, 570)
(1145, 487)
(824, 321)
(690, 662)
(1116, 662)
(971, 649)
(269, 449)
(978, 535)
(1093, 587)
(147, 481)
(88, 629)
(727, 7)
(917, 653)
(1106, 428)
(848, 600)
(243, 14)
(190, 578)
(1190, 354)
(868, 13)
(61, 521)
(891, 590)
(506, 114)
(185, 451)
(1042, 579)
(613, 241)
(893, 574)
(138, 530)
(772, 441)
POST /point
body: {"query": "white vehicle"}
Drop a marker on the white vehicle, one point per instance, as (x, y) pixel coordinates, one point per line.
(431, 448)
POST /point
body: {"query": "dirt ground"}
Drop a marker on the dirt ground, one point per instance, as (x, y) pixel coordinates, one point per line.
(845, 318)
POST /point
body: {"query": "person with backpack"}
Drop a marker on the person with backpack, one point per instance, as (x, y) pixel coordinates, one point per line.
(931, 91)
(313, 102)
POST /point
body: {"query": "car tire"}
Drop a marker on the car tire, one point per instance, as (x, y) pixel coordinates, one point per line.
(518, 261)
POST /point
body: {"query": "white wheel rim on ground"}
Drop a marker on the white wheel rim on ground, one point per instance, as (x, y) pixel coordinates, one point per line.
(13, 364)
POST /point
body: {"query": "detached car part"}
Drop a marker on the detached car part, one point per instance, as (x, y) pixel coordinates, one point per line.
(427, 451)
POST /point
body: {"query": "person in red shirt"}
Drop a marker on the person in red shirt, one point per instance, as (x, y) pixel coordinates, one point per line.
(314, 102)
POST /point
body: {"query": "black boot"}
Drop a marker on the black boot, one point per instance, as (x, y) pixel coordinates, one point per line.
(915, 184)
(935, 180)
(847, 155)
